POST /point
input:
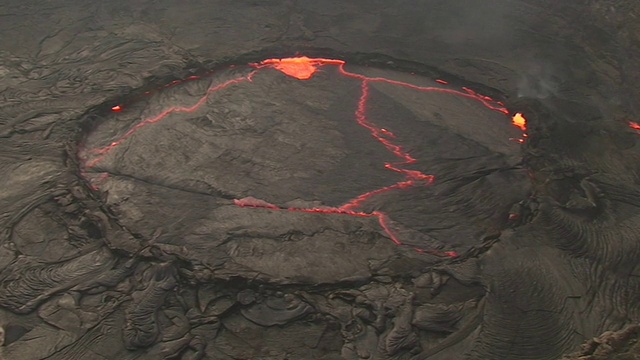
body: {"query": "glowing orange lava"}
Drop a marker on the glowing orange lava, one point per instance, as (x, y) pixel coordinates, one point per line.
(634, 125)
(519, 121)
(116, 108)
(301, 67)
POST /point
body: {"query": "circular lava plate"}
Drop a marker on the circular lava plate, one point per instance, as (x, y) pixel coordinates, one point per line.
(309, 170)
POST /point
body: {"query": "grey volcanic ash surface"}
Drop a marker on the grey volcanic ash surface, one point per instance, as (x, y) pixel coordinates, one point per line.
(167, 193)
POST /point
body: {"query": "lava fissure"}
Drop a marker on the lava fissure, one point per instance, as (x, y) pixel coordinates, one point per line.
(173, 110)
(303, 68)
(468, 93)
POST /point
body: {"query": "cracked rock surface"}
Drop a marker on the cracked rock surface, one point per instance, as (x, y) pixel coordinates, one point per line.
(229, 231)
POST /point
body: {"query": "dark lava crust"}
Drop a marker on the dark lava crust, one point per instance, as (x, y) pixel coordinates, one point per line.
(265, 225)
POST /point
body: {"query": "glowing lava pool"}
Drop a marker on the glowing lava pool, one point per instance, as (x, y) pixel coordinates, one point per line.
(300, 155)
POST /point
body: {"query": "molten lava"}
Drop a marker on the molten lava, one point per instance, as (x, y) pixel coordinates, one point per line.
(303, 68)
(634, 125)
(519, 121)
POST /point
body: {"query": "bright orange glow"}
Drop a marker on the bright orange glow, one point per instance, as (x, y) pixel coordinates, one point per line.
(634, 125)
(116, 108)
(301, 68)
(519, 121)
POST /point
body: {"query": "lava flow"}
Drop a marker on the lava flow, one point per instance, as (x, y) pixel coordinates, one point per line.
(303, 68)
